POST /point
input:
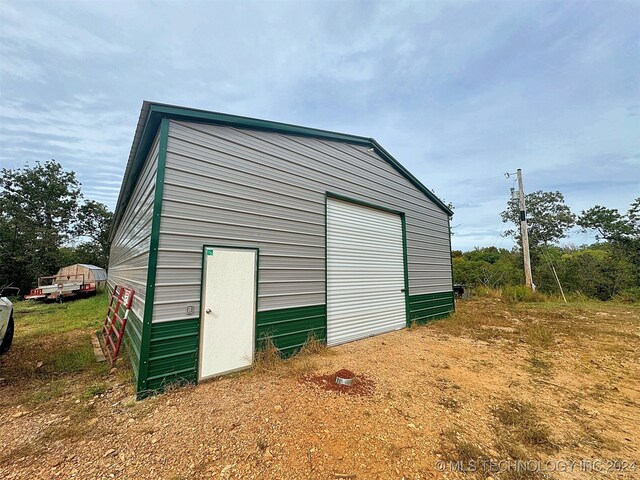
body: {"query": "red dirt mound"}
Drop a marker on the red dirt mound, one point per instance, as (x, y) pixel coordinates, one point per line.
(344, 373)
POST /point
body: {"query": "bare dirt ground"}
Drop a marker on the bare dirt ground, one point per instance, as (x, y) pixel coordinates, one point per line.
(497, 381)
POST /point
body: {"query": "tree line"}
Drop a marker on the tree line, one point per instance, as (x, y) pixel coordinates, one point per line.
(604, 270)
(46, 223)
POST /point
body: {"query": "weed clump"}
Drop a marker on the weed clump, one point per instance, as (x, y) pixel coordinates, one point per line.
(522, 293)
(539, 336)
(524, 424)
(630, 295)
(313, 346)
(487, 292)
(268, 357)
(460, 450)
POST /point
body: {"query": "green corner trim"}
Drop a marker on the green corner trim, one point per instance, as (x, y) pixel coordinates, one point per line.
(289, 328)
(405, 173)
(406, 267)
(153, 259)
(430, 306)
(326, 256)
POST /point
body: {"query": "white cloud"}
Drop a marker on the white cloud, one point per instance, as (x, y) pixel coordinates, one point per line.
(459, 92)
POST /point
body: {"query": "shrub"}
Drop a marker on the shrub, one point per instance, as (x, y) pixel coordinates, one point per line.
(521, 293)
(483, 291)
(630, 295)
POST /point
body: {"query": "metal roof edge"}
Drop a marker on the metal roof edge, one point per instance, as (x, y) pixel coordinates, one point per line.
(90, 267)
(126, 187)
(149, 121)
(407, 174)
(205, 116)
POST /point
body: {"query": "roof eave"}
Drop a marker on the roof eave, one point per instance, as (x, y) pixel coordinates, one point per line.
(407, 174)
(152, 113)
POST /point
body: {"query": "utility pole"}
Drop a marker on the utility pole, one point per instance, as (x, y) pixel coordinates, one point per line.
(524, 234)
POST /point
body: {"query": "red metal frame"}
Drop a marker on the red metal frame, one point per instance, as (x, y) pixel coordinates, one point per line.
(116, 321)
(84, 289)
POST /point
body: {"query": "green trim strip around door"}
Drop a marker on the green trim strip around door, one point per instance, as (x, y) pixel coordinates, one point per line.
(364, 203)
(173, 354)
(406, 267)
(145, 345)
(430, 306)
(289, 328)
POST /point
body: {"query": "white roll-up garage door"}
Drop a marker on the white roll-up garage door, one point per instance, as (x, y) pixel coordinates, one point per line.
(365, 272)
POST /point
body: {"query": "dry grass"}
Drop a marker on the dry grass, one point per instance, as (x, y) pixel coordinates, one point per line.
(267, 358)
(314, 346)
(538, 365)
(524, 425)
(457, 448)
(75, 427)
(520, 293)
(539, 336)
(499, 380)
(587, 433)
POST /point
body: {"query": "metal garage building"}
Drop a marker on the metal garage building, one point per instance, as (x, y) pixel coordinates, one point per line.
(230, 229)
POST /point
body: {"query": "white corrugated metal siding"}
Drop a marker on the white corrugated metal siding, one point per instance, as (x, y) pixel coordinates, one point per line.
(365, 272)
(129, 258)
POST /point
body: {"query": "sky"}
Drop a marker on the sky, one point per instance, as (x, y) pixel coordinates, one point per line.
(458, 92)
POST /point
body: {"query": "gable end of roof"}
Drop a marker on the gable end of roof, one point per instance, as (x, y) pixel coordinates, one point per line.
(152, 114)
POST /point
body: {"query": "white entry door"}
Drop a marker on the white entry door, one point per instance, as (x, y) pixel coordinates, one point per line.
(228, 310)
(365, 272)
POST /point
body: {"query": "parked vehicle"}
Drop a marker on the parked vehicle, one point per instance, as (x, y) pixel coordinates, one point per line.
(57, 287)
(6, 319)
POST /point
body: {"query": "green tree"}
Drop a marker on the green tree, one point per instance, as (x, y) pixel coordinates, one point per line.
(596, 271)
(38, 208)
(93, 221)
(610, 225)
(620, 231)
(488, 266)
(487, 254)
(548, 218)
(633, 216)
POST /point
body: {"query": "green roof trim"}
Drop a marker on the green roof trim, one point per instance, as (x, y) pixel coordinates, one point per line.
(152, 114)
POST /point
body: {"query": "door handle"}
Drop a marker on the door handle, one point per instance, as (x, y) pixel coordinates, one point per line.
(208, 310)
(402, 290)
